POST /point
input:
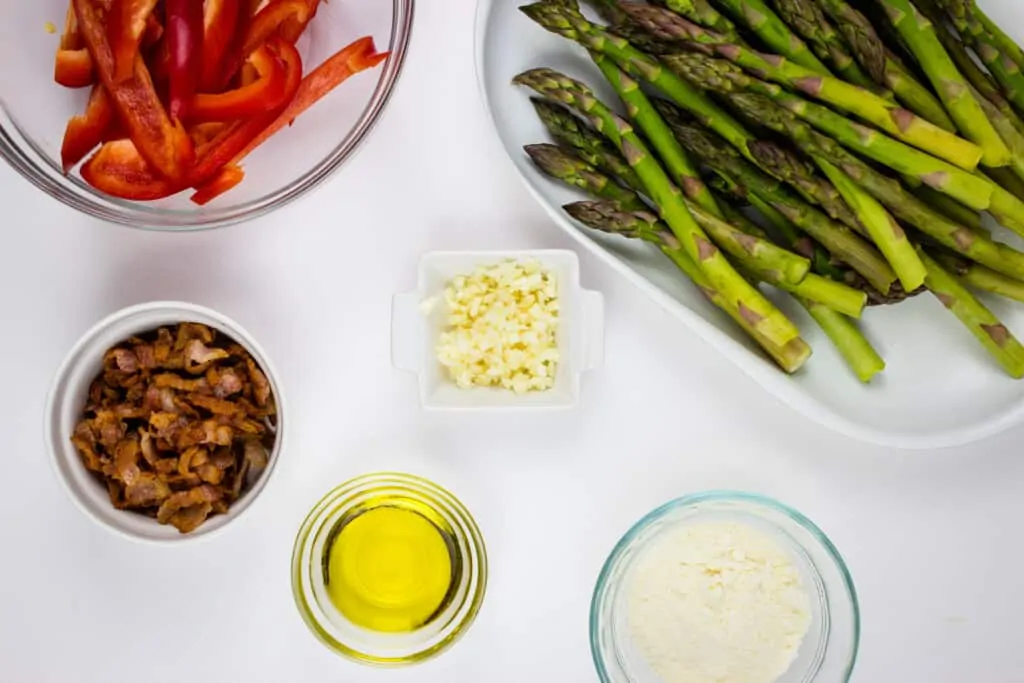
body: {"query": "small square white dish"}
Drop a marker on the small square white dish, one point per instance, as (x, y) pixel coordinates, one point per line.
(415, 332)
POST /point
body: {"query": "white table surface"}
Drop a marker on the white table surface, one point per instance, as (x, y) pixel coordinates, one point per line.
(932, 539)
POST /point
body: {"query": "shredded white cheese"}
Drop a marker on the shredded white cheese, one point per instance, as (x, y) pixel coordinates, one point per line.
(501, 328)
(717, 602)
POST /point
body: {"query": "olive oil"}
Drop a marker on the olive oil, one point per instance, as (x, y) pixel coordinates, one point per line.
(391, 565)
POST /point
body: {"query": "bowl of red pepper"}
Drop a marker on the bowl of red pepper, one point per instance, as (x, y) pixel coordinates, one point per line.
(192, 114)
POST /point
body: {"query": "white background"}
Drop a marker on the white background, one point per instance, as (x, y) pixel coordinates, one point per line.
(933, 539)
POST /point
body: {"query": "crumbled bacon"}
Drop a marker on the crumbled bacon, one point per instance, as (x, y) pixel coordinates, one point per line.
(178, 424)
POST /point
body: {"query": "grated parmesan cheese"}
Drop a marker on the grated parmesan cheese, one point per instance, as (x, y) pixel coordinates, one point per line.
(717, 602)
(501, 328)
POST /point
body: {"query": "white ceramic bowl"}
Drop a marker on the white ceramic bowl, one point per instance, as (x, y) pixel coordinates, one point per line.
(68, 395)
(940, 387)
(414, 334)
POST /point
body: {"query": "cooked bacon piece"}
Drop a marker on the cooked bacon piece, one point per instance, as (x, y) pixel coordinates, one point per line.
(148, 491)
(224, 382)
(178, 383)
(215, 405)
(261, 387)
(198, 356)
(126, 461)
(125, 360)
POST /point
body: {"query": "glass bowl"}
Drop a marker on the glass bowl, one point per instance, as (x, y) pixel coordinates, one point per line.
(34, 111)
(828, 651)
(469, 570)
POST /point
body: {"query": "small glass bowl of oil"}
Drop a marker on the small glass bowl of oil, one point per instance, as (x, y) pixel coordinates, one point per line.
(389, 569)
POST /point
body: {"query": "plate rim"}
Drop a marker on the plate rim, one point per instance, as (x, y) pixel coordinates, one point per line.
(753, 367)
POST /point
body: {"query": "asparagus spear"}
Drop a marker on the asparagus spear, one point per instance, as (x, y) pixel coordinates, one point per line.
(855, 349)
(808, 20)
(555, 162)
(1003, 66)
(641, 39)
(588, 144)
(851, 343)
(724, 77)
(889, 117)
(985, 326)
(888, 191)
(983, 83)
(763, 22)
(796, 241)
(949, 207)
(1008, 131)
(838, 239)
(642, 225)
(979, 277)
(683, 173)
(919, 34)
(763, 314)
(883, 228)
(571, 25)
(820, 260)
(701, 12)
(1007, 180)
(1005, 43)
(609, 218)
(870, 50)
(772, 263)
(796, 172)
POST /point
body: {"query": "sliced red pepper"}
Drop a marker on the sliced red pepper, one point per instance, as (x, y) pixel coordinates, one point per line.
(118, 169)
(85, 131)
(220, 21)
(265, 94)
(359, 56)
(292, 29)
(164, 144)
(237, 136)
(73, 66)
(203, 134)
(269, 19)
(185, 44)
(126, 24)
(154, 31)
(228, 178)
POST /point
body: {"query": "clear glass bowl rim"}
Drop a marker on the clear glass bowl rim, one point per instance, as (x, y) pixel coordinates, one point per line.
(717, 496)
(354, 488)
(35, 166)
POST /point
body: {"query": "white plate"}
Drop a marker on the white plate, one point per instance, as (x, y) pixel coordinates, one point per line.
(940, 387)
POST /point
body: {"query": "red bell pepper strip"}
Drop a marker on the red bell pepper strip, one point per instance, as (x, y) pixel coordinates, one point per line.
(85, 131)
(265, 94)
(292, 29)
(236, 137)
(185, 43)
(154, 31)
(126, 24)
(220, 21)
(258, 29)
(119, 170)
(272, 17)
(228, 178)
(163, 144)
(359, 56)
(73, 66)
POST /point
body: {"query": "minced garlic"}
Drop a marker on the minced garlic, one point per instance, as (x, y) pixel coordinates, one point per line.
(501, 328)
(717, 602)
